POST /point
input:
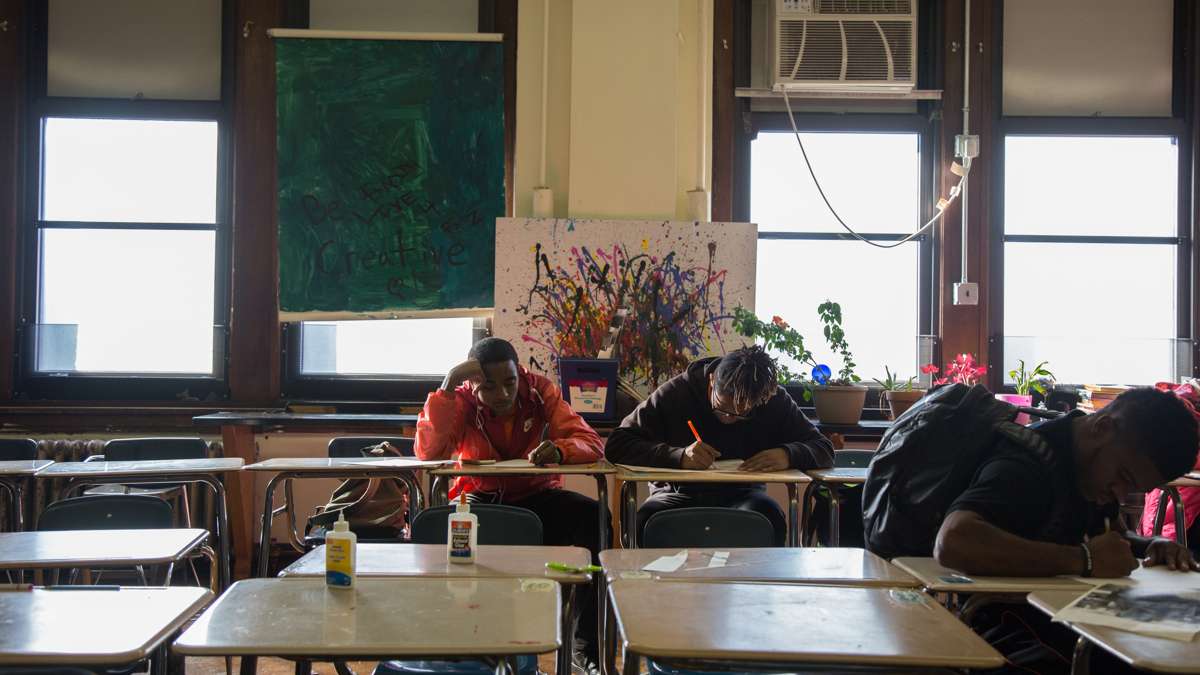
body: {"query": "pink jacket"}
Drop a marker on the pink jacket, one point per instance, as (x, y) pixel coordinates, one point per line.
(457, 425)
(1191, 496)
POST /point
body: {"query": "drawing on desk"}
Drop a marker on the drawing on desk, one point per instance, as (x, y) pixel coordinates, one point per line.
(1148, 610)
(679, 281)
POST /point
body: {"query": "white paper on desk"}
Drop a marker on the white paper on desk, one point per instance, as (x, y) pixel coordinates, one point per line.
(1157, 577)
(667, 563)
(718, 559)
(722, 465)
(513, 464)
(1143, 609)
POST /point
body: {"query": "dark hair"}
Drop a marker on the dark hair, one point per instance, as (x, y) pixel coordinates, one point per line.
(1160, 425)
(493, 350)
(748, 375)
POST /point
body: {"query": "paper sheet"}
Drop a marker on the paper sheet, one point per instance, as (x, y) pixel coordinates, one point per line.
(1156, 576)
(1152, 610)
(722, 465)
(513, 464)
(667, 563)
(719, 558)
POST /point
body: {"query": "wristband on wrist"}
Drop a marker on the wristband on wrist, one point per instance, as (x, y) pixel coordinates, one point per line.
(1087, 560)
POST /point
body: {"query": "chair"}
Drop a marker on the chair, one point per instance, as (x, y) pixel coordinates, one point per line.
(352, 446)
(498, 525)
(108, 512)
(143, 449)
(17, 449)
(707, 527)
(849, 504)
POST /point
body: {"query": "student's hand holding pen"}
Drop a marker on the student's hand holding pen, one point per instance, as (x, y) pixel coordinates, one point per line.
(546, 453)
(1168, 553)
(698, 455)
(1112, 556)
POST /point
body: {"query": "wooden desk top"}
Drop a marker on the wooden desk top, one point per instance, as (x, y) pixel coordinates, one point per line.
(788, 623)
(429, 560)
(818, 566)
(1140, 651)
(593, 469)
(341, 464)
(848, 475)
(96, 548)
(1191, 479)
(647, 474)
(93, 627)
(146, 467)
(403, 618)
(933, 576)
(23, 467)
(286, 419)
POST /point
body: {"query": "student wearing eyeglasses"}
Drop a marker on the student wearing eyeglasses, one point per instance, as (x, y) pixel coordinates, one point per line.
(740, 412)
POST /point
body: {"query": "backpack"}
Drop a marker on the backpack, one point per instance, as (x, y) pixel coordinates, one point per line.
(375, 507)
(928, 458)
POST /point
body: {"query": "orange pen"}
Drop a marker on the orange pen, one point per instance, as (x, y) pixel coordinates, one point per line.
(694, 432)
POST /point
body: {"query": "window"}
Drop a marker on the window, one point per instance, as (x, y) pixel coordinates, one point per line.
(873, 179)
(1090, 257)
(124, 289)
(415, 347)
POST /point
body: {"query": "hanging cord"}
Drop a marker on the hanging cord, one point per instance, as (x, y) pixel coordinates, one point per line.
(941, 207)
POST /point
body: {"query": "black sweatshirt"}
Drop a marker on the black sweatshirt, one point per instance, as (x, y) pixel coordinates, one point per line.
(656, 432)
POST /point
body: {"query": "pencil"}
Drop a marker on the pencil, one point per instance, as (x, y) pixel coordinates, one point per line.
(694, 432)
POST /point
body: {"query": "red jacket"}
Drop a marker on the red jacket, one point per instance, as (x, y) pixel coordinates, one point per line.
(457, 425)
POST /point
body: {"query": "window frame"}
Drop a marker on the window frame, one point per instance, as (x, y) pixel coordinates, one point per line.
(30, 384)
(1177, 126)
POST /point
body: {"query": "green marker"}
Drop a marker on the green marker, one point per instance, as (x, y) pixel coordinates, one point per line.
(571, 569)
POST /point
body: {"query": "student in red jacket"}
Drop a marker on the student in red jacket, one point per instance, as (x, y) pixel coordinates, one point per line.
(489, 407)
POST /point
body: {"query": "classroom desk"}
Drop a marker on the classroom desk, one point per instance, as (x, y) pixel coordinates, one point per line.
(491, 562)
(14, 478)
(833, 479)
(1171, 491)
(287, 469)
(1140, 651)
(89, 549)
(781, 627)
(113, 627)
(631, 477)
(420, 618)
(237, 431)
(937, 579)
(204, 471)
(812, 566)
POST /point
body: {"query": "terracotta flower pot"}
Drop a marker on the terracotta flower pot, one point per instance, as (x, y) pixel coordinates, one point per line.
(839, 404)
(900, 401)
(1020, 402)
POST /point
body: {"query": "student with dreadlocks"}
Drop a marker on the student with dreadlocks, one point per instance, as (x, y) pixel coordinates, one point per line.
(740, 412)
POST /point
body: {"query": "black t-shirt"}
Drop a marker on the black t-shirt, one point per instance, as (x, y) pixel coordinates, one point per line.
(1016, 492)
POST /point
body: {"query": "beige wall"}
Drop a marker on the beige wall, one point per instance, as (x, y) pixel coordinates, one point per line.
(623, 120)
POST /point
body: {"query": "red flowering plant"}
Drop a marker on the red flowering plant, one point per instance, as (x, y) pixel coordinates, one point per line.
(962, 370)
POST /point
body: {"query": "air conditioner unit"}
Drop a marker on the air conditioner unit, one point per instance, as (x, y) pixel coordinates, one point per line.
(844, 46)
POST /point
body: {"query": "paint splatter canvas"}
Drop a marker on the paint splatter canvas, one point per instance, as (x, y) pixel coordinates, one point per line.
(559, 282)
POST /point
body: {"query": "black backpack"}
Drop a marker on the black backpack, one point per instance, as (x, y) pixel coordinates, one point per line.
(928, 458)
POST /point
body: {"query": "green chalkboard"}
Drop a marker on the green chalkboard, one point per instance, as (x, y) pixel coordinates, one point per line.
(391, 173)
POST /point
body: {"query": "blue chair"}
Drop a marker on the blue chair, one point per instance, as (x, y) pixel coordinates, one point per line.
(17, 449)
(498, 525)
(108, 512)
(708, 527)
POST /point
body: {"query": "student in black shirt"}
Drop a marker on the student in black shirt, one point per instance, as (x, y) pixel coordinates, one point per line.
(740, 412)
(1015, 520)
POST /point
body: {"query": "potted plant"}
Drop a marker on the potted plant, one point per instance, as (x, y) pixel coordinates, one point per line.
(780, 338)
(1027, 381)
(900, 394)
(962, 370)
(838, 400)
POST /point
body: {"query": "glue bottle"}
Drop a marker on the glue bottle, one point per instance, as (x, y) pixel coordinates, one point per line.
(340, 555)
(462, 533)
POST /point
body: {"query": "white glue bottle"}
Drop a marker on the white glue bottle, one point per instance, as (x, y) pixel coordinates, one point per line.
(340, 555)
(462, 533)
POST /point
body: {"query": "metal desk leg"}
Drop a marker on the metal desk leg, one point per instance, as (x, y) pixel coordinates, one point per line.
(249, 665)
(224, 535)
(264, 538)
(1081, 660)
(835, 514)
(439, 491)
(1160, 512)
(1180, 519)
(608, 642)
(795, 521)
(629, 502)
(15, 490)
(633, 664)
(567, 620)
(605, 523)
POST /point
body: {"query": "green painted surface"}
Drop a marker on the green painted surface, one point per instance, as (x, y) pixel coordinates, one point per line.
(391, 173)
